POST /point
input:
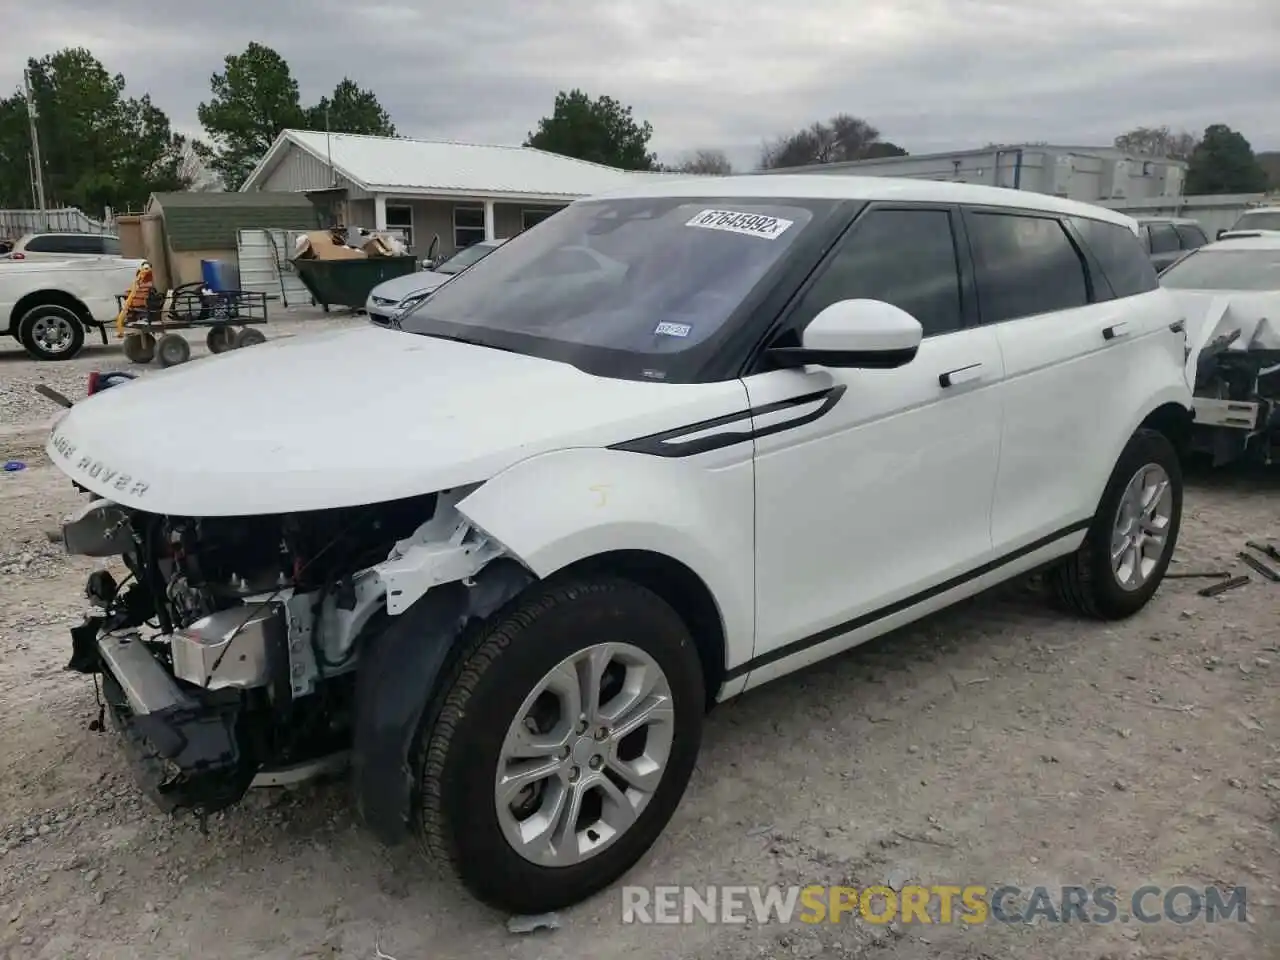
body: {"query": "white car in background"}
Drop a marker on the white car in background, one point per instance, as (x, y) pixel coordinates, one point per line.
(398, 294)
(1230, 291)
(49, 305)
(1260, 219)
(63, 246)
(670, 445)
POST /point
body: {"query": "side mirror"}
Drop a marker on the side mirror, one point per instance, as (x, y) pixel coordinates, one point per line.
(1220, 233)
(861, 334)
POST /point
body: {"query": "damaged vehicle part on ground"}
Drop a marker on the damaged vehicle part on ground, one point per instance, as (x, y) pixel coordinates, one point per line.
(656, 452)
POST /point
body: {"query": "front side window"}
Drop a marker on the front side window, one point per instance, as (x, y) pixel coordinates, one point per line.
(1119, 254)
(111, 246)
(1026, 266)
(640, 288)
(1191, 236)
(1164, 239)
(903, 257)
(465, 258)
(1212, 268)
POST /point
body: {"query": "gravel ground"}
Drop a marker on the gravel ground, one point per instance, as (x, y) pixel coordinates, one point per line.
(995, 743)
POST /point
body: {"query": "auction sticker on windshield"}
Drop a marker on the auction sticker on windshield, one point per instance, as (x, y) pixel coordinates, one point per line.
(749, 224)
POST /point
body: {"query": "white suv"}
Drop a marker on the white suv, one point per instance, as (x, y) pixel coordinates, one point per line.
(676, 442)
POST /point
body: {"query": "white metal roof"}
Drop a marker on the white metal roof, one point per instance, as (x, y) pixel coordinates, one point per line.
(405, 166)
(823, 187)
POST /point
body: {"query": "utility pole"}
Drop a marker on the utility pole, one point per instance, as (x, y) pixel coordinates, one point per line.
(35, 147)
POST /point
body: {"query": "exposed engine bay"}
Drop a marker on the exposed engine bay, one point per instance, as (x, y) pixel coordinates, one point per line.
(228, 653)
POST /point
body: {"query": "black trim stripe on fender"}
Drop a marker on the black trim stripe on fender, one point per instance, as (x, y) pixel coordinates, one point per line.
(668, 444)
(857, 623)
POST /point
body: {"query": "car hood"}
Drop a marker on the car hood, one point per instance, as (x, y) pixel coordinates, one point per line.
(1212, 313)
(349, 417)
(397, 288)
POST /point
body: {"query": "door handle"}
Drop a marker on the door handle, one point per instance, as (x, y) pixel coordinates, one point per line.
(1115, 331)
(953, 378)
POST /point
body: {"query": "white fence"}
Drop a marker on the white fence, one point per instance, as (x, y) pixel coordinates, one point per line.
(15, 223)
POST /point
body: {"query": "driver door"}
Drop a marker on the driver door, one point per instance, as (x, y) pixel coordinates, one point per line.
(874, 487)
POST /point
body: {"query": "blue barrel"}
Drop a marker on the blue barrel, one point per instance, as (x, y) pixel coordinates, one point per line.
(213, 272)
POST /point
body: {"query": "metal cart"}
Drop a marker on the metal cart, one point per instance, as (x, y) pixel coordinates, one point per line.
(230, 317)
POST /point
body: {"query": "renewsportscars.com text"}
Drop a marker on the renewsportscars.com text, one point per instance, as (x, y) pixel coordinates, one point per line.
(933, 904)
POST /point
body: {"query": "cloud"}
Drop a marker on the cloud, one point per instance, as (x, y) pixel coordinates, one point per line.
(931, 74)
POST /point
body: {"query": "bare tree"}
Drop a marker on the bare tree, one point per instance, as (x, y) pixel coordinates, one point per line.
(844, 137)
(194, 172)
(1158, 142)
(713, 162)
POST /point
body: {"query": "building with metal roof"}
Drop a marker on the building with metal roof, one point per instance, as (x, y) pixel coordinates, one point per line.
(458, 192)
(1102, 175)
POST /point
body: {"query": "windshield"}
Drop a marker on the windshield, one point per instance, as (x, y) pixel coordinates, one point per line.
(465, 258)
(1259, 220)
(621, 288)
(1225, 270)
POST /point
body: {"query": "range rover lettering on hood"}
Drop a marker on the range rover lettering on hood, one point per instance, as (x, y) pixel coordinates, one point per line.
(99, 471)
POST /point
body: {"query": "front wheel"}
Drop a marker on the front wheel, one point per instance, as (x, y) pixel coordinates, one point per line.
(565, 739)
(1119, 566)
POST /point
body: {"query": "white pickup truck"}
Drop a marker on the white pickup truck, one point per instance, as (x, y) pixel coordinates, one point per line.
(48, 305)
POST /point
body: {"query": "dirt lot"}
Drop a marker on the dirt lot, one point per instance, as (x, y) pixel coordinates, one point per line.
(996, 743)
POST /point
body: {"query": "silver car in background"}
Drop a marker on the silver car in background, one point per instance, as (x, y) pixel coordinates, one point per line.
(393, 297)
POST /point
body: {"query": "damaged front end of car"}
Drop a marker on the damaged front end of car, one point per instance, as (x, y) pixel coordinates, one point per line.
(239, 651)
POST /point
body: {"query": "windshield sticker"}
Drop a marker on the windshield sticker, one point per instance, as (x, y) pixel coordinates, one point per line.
(672, 330)
(748, 224)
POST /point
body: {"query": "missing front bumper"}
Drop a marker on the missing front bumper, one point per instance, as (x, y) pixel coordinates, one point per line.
(182, 745)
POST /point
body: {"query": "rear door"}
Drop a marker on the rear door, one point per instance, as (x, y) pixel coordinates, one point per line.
(1067, 341)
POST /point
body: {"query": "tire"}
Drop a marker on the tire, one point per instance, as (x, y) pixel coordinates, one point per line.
(249, 337)
(220, 339)
(171, 350)
(1088, 582)
(139, 347)
(460, 745)
(51, 331)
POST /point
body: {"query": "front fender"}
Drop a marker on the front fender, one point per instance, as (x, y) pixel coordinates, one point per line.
(558, 508)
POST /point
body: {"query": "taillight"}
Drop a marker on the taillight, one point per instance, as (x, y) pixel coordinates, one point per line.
(95, 380)
(17, 256)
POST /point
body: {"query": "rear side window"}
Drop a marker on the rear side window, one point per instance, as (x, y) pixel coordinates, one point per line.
(1119, 254)
(1026, 266)
(903, 257)
(1191, 236)
(46, 244)
(1163, 238)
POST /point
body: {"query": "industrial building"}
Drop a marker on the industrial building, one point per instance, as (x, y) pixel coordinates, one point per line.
(1090, 174)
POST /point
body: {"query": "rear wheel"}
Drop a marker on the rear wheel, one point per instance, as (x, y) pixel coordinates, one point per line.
(1120, 565)
(564, 741)
(172, 349)
(51, 331)
(249, 337)
(220, 339)
(139, 347)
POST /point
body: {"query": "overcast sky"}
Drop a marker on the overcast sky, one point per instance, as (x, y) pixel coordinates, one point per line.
(930, 74)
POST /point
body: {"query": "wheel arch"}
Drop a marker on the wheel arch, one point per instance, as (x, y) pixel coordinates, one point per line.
(678, 585)
(1174, 421)
(39, 298)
